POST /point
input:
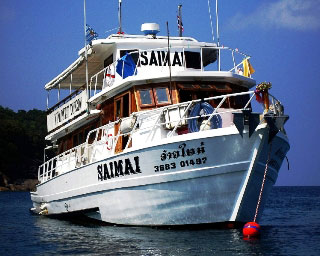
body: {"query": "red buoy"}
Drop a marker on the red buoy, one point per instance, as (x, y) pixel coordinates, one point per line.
(251, 229)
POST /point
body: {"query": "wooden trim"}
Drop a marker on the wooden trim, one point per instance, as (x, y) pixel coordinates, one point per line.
(136, 98)
(175, 95)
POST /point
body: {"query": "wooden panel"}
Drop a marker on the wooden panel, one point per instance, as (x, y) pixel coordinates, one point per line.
(107, 112)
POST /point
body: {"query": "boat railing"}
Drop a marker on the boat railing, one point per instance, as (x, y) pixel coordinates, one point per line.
(142, 128)
(61, 163)
(233, 60)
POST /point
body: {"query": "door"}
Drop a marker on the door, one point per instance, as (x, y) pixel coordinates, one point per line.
(121, 110)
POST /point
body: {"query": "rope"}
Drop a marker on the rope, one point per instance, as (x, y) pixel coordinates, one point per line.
(262, 185)
(215, 122)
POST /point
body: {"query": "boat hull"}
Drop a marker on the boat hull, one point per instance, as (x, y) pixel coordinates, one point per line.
(191, 179)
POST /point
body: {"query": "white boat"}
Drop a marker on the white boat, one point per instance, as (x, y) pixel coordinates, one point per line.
(164, 133)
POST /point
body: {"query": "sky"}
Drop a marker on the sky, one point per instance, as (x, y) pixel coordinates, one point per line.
(39, 39)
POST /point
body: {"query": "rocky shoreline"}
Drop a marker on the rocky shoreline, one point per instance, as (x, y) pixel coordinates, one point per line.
(26, 185)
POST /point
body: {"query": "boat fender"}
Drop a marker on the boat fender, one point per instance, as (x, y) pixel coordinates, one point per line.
(206, 109)
(127, 124)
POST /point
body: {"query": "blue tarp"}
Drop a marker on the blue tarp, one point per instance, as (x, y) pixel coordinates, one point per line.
(126, 66)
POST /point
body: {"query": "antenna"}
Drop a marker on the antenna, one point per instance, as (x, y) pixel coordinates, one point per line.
(168, 55)
(210, 20)
(120, 18)
(180, 25)
(217, 23)
(218, 37)
(86, 52)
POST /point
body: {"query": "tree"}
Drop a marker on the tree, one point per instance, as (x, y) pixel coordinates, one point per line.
(22, 142)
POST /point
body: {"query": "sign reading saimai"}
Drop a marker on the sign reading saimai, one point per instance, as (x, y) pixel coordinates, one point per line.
(67, 111)
(161, 58)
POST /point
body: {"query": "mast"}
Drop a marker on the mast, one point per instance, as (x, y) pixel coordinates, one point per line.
(86, 52)
(218, 37)
(180, 20)
(120, 18)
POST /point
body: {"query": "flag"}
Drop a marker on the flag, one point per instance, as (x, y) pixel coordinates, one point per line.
(126, 66)
(180, 25)
(247, 68)
(90, 34)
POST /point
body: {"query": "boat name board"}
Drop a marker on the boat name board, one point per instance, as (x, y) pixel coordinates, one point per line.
(67, 111)
(118, 168)
(160, 58)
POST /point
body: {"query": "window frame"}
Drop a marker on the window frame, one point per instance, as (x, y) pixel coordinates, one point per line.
(153, 103)
(156, 96)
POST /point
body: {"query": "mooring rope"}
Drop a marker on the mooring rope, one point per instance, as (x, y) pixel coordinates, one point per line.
(262, 185)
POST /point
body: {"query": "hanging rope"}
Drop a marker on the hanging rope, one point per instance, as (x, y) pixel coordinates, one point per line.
(262, 185)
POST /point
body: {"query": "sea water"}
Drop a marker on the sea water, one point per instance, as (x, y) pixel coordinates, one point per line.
(290, 226)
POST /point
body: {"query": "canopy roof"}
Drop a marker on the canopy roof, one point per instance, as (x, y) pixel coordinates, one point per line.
(75, 75)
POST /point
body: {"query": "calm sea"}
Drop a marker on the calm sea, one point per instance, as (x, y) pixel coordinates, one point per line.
(290, 226)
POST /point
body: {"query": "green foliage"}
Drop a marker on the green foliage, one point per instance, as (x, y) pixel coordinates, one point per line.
(22, 143)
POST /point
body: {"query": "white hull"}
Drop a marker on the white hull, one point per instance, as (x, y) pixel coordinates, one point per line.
(219, 181)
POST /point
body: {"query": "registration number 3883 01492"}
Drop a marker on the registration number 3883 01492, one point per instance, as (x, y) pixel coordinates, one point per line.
(183, 163)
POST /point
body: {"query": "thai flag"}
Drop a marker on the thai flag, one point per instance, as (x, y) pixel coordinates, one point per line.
(180, 25)
(90, 34)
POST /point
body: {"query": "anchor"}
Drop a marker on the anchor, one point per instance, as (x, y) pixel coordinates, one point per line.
(246, 118)
(275, 124)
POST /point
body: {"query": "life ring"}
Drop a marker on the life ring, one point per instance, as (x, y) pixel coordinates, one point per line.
(109, 145)
(215, 122)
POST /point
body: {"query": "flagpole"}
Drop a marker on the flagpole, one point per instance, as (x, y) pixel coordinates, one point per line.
(120, 18)
(180, 20)
(86, 52)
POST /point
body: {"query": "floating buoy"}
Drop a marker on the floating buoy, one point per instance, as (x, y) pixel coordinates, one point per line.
(251, 229)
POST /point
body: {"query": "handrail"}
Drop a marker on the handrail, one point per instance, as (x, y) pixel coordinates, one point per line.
(66, 99)
(95, 77)
(147, 123)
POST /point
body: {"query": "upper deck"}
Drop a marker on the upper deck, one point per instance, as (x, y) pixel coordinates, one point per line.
(120, 62)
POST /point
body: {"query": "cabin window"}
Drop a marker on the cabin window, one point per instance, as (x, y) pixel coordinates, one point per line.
(126, 106)
(194, 91)
(118, 108)
(209, 55)
(146, 97)
(154, 97)
(122, 106)
(192, 59)
(162, 95)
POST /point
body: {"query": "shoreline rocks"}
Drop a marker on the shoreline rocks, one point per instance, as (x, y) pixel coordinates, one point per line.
(26, 185)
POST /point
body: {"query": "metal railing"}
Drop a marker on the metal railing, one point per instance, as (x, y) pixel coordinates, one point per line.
(103, 79)
(146, 127)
